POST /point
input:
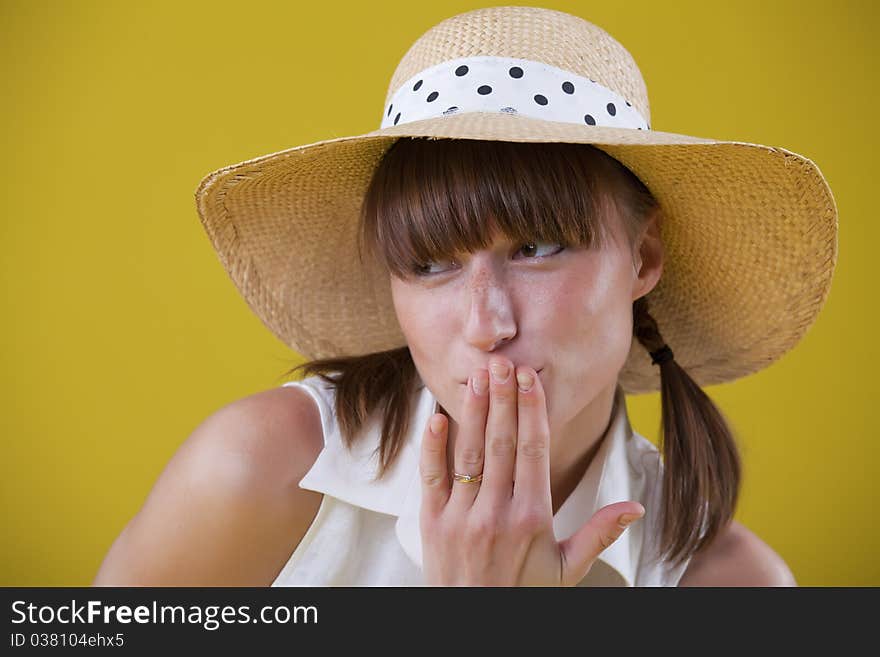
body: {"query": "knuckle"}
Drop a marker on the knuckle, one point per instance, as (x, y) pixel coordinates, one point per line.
(605, 540)
(433, 447)
(482, 529)
(503, 395)
(501, 445)
(433, 478)
(447, 533)
(529, 520)
(530, 399)
(440, 534)
(471, 456)
(533, 449)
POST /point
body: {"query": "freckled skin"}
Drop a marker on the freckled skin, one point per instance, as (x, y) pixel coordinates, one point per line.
(569, 313)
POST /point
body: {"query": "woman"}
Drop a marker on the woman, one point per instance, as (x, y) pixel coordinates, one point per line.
(463, 420)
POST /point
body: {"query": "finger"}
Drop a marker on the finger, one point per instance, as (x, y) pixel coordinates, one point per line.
(432, 465)
(584, 547)
(500, 433)
(470, 441)
(532, 478)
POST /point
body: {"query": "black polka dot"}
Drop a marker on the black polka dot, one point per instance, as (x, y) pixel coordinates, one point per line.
(389, 109)
(397, 118)
(568, 87)
(589, 120)
(432, 96)
(450, 110)
(541, 100)
(628, 104)
(640, 127)
(508, 110)
(461, 70)
(484, 89)
(612, 110)
(592, 80)
(417, 85)
(515, 72)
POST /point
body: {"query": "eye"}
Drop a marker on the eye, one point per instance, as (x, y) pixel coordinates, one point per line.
(533, 249)
(424, 269)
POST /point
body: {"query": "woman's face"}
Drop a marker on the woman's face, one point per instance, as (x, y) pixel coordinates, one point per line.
(567, 314)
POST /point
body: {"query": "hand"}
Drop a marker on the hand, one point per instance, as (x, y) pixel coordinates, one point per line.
(499, 532)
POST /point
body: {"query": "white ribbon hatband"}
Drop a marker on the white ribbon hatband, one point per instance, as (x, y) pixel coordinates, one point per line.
(509, 85)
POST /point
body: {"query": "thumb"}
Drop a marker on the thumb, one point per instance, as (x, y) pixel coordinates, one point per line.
(586, 544)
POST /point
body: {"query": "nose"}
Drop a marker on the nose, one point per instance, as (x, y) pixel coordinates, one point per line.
(490, 320)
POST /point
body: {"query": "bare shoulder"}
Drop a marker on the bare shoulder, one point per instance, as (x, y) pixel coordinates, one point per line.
(738, 557)
(227, 509)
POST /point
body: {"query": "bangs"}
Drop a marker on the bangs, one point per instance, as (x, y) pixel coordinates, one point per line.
(431, 199)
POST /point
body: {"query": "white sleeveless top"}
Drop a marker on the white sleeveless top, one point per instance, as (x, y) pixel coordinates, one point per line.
(366, 533)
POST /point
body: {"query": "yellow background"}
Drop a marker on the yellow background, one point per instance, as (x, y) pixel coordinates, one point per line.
(121, 331)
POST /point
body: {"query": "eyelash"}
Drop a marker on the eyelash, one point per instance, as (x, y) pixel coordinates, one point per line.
(419, 270)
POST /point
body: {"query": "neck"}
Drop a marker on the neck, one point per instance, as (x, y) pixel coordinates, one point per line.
(572, 446)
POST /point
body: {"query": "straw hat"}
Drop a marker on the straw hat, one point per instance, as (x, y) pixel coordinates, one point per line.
(750, 231)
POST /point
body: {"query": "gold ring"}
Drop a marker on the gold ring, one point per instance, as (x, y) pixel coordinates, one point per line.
(467, 479)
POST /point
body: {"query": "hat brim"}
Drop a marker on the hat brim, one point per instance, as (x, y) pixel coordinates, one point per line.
(749, 233)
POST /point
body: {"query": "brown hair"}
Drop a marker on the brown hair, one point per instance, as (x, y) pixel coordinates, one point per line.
(432, 199)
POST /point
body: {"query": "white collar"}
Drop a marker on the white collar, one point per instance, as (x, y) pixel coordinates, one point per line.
(348, 476)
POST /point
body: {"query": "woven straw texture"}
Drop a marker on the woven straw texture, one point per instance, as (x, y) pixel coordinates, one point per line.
(749, 231)
(543, 35)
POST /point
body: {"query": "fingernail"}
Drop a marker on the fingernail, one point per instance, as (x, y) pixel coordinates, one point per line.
(627, 518)
(500, 372)
(525, 381)
(437, 425)
(480, 382)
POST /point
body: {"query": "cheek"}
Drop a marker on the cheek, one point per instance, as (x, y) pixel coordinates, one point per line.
(424, 324)
(606, 320)
(587, 313)
(589, 329)
(417, 316)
